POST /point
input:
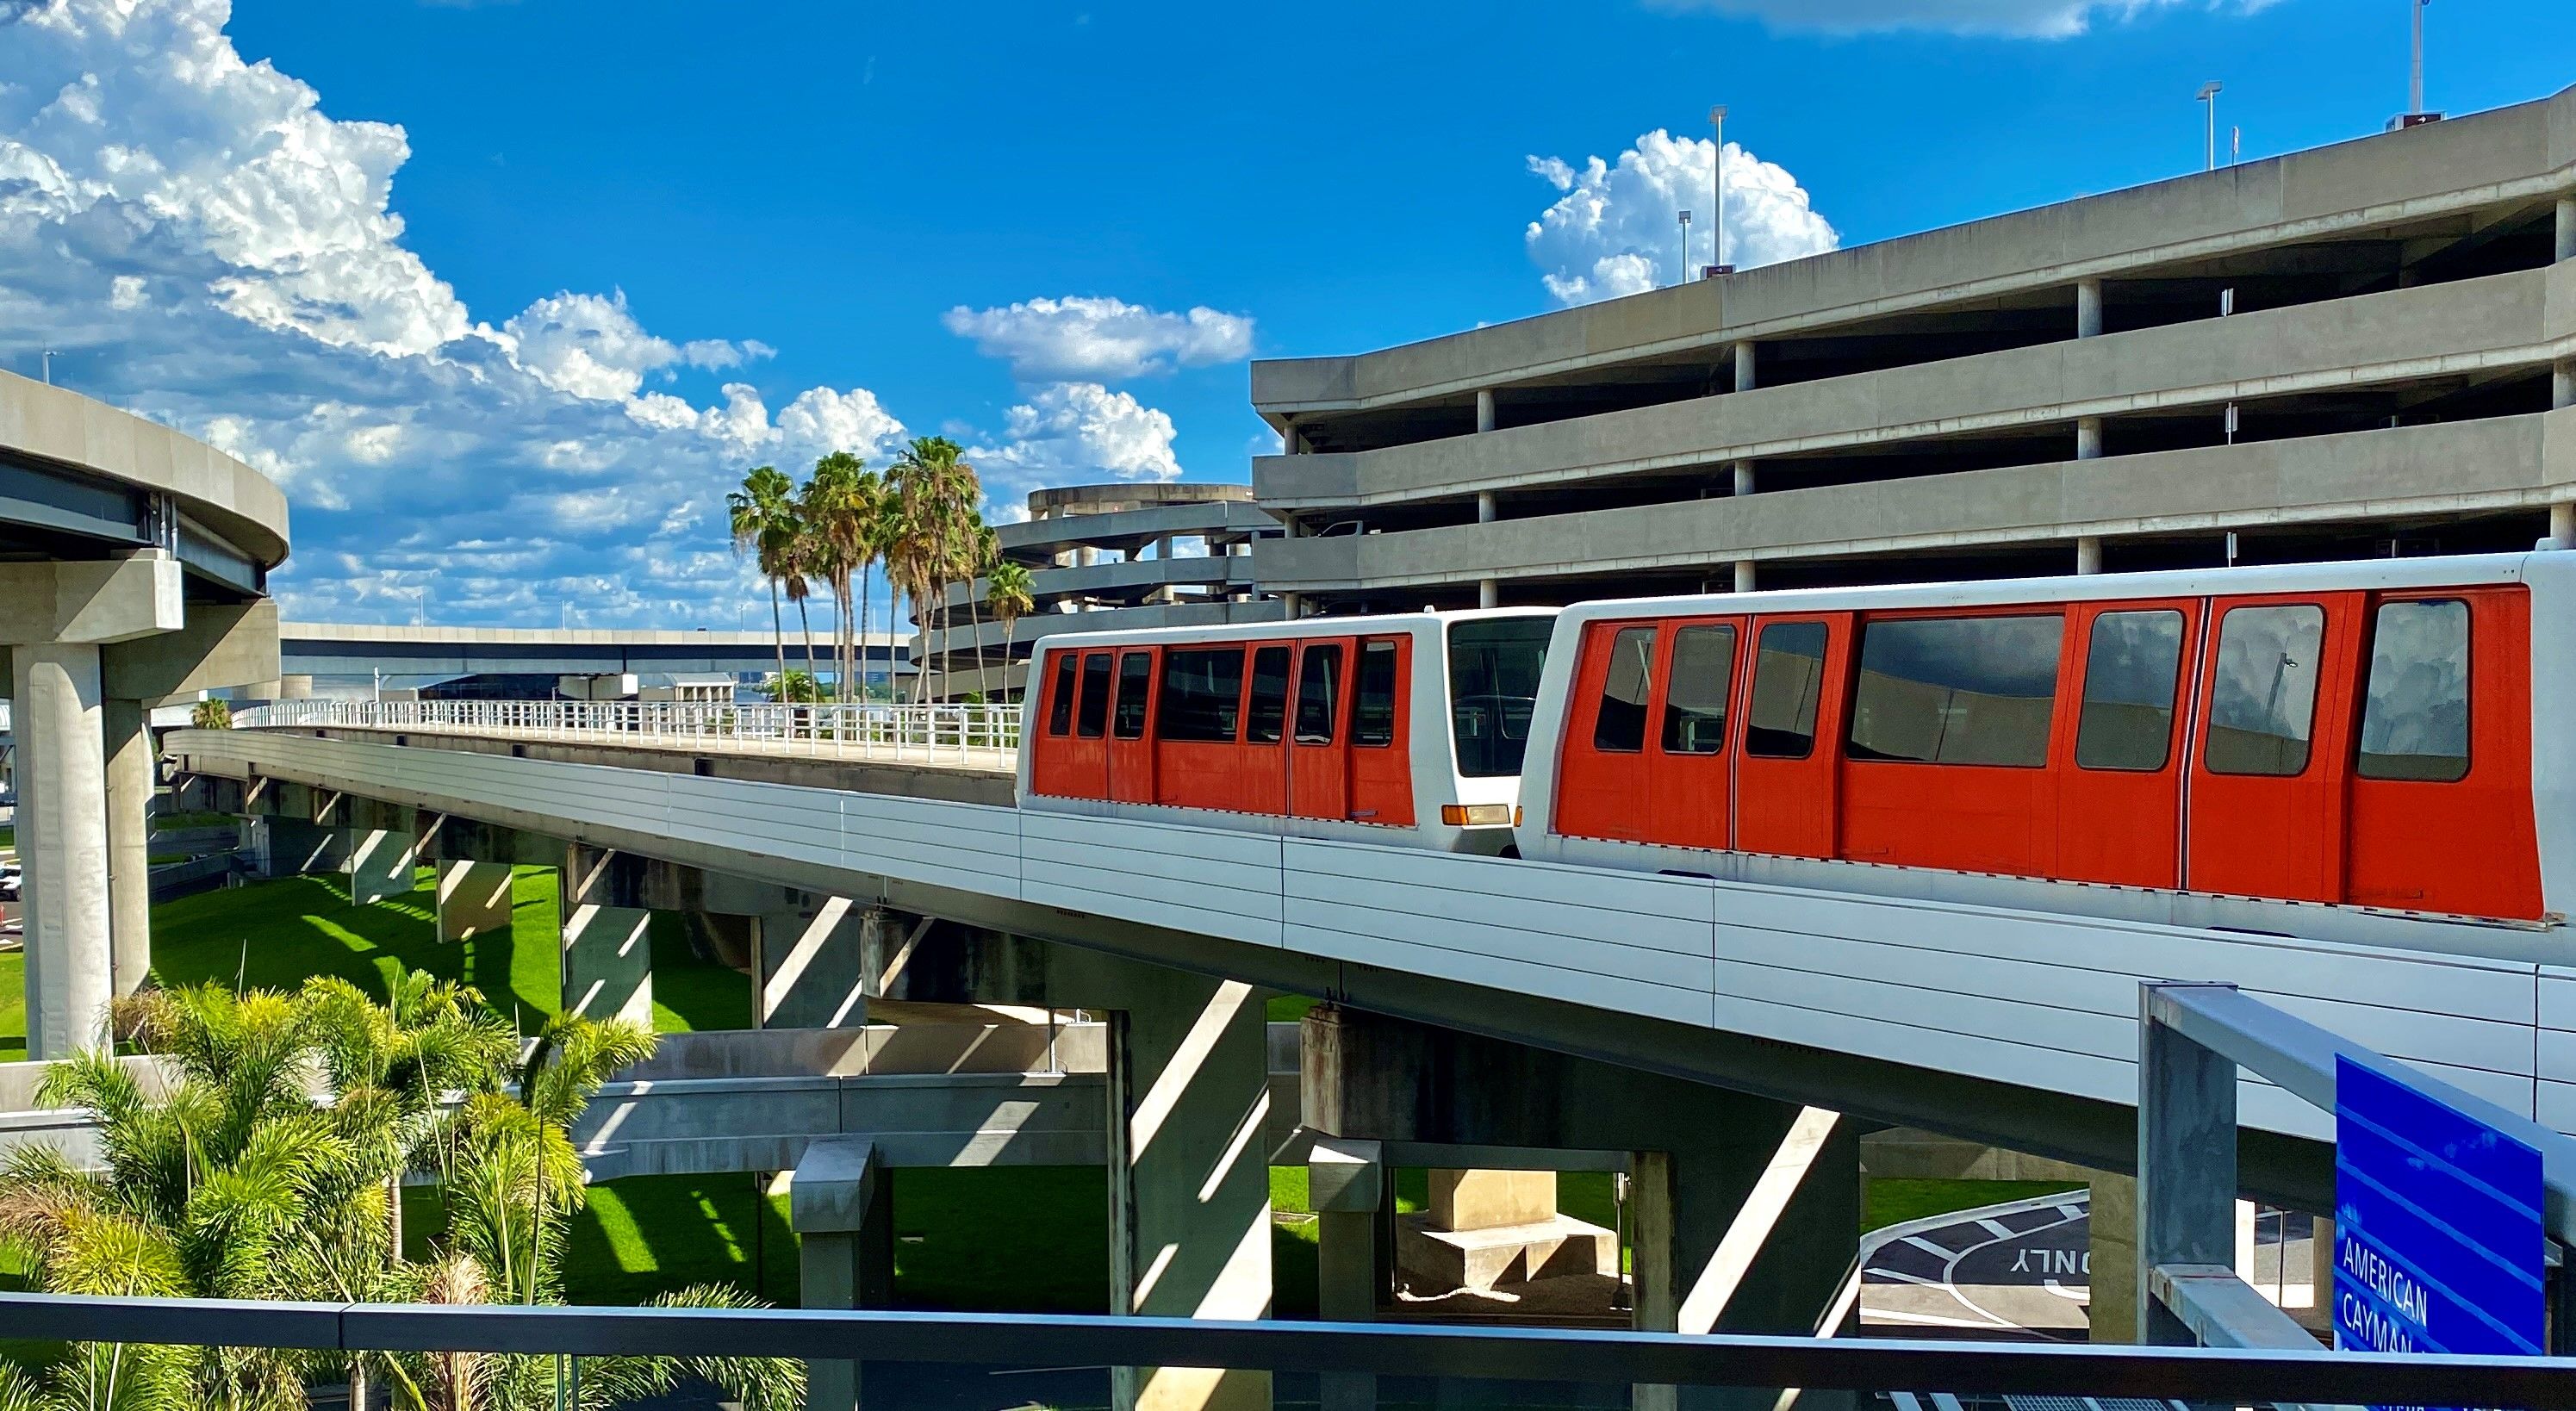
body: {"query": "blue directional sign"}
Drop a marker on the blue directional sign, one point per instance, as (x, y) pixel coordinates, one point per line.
(2438, 1241)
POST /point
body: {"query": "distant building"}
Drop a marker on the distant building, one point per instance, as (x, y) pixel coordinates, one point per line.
(2356, 351)
(1103, 557)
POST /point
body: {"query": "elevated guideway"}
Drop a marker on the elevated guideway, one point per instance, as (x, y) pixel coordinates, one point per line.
(2009, 1026)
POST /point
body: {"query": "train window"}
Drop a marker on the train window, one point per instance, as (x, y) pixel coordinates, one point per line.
(1269, 696)
(1493, 688)
(1701, 677)
(2130, 669)
(1095, 696)
(2262, 706)
(2415, 722)
(1957, 690)
(1060, 701)
(1788, 673)
(1620, 728)
(1135, 684)
(1373, 701)
(1319, 694)
(1202, 694)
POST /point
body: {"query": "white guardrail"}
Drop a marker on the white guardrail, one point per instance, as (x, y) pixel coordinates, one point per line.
(974, 735)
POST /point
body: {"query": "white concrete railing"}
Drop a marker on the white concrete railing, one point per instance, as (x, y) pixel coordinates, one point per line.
(979, 735)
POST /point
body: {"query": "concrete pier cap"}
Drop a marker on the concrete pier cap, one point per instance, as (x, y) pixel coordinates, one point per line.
(133, 571)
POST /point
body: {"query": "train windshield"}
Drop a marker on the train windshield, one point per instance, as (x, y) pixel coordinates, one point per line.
(1493, 684)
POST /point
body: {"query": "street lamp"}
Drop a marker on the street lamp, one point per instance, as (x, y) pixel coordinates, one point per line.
(1685, 269)
(2415, 113)
(1717, 189)
(2209, 98)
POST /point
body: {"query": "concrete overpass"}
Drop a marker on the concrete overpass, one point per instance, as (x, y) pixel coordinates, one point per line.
(133, 570)
(361, 650)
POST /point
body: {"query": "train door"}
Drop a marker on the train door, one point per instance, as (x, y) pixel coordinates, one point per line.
(1265, 732)
(1087, 771)
(1688, 782)
(1131, 744)
(1381, 717)
(1603, 769)
(1052, 768)
(2442, 814)
(2120, 741)
(1792, 706)
(1318, 753)
(2274, 706)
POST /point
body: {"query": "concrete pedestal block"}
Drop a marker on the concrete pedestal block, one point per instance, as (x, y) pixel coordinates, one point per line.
(812, 957)
(296, 848)
(2114, 1235)
(473, 900)
(1189, 1088)
(1484, 1200)
(1483, 1259)
(841, 1205)
(607, 938)
(380, 864)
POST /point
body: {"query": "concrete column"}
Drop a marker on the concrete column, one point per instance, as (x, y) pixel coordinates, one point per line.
(607, 938)
(2562, 383)
(1744, 379)
(841, 1205)
(1488, 593)
(299, 848)
(2562, 525)
(128, 743)
(813, 963)
(1744, 575)
(473, 899)
(1484, 409)
(2186, 1169)
(2088, 438)
(62, 846)
(1346, 1185)
(1294, 604)
(1746, 480)
(1189, 1190)
(381, 862)
(2088, 553)
(1484, 507)
(2088, 308)
(2114, 1253)
(2567, 227)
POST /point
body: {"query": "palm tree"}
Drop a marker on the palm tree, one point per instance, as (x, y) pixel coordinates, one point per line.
(943, 514)
(840, 504)
(763, 517)
(1008, 591)
(212, 713)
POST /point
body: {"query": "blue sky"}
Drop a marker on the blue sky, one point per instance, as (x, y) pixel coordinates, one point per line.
(611, 213)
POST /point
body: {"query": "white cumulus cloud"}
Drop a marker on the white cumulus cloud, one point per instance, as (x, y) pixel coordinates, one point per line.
(1074, 431)
(1613, 229)
(2027, 19)
(1101, 339)
(205, 245)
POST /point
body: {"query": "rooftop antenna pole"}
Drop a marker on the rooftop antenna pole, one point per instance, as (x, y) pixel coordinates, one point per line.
(1717, 185)
(2415, 73)
(1685, 270)
(2209, 98)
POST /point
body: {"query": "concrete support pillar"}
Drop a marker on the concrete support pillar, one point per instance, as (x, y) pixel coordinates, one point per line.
(2562, 383)
(1484, 409)
(297, 848)
(1753, 1235)
(2088, 308)
(1293, 604)
(1744, 575)
(128, 745)
(2562, 525)
(813, 963)
(841, 1204)
(1746, 481)
(2567, 227)
(607, 938)
(1189, 1187)
(2114, 1253)
(1744, 378)
(381, 862)
(2088, 553)
(473, 899)
(2186, 1170)
(2088, 438)
(1346, 1184)
(1488, 593)
(62, 845)
(1484, 507)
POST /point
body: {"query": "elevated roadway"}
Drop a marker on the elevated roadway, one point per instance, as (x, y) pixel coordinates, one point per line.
(2007, 1026)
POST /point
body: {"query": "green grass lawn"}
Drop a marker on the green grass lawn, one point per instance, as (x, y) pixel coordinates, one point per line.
(1894, 1202)
(274, 934)
(13, 1006)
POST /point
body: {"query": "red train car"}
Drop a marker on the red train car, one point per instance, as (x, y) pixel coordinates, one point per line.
(1404, 728)
(2202, 747)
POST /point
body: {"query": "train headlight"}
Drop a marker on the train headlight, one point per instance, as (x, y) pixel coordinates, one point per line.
(1476, 815)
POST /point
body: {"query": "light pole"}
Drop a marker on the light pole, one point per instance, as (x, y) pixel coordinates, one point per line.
(47, 358)
(2415, 72)
(2209, 98)
(1685, 269)
(1717, 187)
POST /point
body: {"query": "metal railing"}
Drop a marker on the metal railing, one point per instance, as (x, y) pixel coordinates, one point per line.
(2234, 1376)
(983, 735)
